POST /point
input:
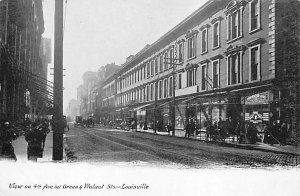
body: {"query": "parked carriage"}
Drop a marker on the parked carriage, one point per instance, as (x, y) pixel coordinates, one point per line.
(78, 121)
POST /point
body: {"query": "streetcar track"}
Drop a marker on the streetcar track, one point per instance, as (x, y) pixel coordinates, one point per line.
(132, 149)
(188, 157)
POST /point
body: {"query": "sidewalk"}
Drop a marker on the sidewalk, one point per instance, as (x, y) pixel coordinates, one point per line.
(20, 147)
(288, 149)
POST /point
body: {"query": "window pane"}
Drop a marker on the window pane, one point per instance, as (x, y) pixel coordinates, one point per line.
(179, 81)
(203, 83)
(204, 41)
(216, 35)
(216, 74)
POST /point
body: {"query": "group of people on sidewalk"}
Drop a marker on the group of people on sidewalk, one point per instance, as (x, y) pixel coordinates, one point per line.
(35, 135)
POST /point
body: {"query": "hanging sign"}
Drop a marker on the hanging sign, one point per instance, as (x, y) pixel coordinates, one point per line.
(260, 98)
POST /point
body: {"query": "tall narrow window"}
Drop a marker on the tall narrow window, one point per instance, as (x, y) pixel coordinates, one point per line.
(160, 89)
(191, 77)
(254, 15)
(234, 69)
(215, 73)
(216, 34)
(166, 61)
(161, 63)
(151, 92)
(180, 52)
(191, 47)
(156, 65)
(234, 25)
(165, 88)
(171, 56)
(204, 41)
(179, 81)
(152, 68)
(203, 78)
(255, 63)
(148, 69)
(171, 87)
(147, 93)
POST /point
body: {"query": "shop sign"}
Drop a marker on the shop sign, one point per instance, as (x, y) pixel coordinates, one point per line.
(260, 98)
(255, 117)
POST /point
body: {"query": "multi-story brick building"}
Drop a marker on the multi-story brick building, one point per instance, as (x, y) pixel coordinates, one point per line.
(228, 59)
(23, 82)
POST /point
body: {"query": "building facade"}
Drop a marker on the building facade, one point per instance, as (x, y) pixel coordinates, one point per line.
(234, 60)
(23, 83)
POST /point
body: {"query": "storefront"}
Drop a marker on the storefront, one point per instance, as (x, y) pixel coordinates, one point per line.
(257, 110)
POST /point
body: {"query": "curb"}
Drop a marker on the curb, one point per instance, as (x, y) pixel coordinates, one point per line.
(229, 144)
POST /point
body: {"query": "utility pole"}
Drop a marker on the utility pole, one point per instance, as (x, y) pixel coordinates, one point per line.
(174, 62)
(58, 82)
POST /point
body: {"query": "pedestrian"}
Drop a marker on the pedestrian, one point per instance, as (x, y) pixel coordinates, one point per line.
(170, 127)
(187, 129)
(283, 133)
(7, 135)
(35, 138)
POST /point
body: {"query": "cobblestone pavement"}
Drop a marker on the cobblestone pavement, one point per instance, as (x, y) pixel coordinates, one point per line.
(117, 146)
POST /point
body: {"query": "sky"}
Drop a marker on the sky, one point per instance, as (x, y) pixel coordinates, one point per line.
(98, 32)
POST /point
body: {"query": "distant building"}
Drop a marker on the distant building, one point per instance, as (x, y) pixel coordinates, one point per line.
(89, 94)
(72, 110)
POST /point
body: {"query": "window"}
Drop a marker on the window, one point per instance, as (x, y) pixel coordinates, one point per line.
(161, 63)
(171, 86)
(234, 69)
(166, 61)
(204, 41)
(147, 93)
(171, 56)
(180, 52)
(234, 25)
(179, 81)
(215, 73)
(138, 75)
(151, 92)
(148, 69)
(254, 15)
(191, 79)
(191, 47)
(132, 78)
(255, 63)
(160, 86)
(152, 68)
(165, 88)
(156, 65)
(216, 34)
(203, 79)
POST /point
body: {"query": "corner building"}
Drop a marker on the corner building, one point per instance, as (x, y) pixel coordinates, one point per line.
(228, 59)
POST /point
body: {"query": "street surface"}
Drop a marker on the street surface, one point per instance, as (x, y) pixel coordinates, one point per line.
(112, 146)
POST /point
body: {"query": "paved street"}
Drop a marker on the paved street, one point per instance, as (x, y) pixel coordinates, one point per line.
(105, 145)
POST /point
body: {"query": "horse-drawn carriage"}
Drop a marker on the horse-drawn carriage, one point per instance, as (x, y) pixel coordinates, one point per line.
(78, 121)
(90, 122)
